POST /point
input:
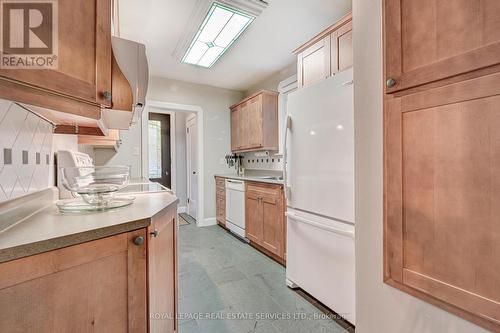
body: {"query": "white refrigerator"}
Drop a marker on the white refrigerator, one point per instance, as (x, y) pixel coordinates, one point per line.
(319, 185)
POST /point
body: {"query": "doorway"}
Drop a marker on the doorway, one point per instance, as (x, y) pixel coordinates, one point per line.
(192, 166)
(159, 149)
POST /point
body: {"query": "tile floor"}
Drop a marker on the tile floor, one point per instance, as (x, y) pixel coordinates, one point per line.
(225, 286)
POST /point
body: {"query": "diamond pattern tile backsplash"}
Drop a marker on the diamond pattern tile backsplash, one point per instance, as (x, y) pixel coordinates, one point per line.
(25, 151)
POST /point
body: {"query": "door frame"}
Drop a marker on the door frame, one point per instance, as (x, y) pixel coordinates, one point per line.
(175, 107)
(188, 162)
(173, 166)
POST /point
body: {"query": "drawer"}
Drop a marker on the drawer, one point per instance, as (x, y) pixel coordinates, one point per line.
(263, 188)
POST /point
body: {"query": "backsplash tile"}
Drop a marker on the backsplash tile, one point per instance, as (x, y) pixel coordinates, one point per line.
(252, 161)
(25, 151)
(7, 156)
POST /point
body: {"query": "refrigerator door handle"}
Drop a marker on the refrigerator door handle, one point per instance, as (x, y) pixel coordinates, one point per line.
(288, 125)
(320, 225)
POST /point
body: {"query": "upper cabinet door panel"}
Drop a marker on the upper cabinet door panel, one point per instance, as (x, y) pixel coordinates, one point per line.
(430, 40)
(344, 47)
(255, 122)
(314, 62)
(84, 53)
(243, 126)
(235, 133)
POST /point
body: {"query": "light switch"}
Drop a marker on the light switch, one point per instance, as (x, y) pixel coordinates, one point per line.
(136, 151)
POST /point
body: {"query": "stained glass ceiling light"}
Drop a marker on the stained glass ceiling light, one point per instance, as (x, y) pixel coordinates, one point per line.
(220, 29)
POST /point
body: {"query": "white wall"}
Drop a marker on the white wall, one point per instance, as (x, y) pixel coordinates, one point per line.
(129, 152)
(272, 81)
(215, 103)
(380, 308)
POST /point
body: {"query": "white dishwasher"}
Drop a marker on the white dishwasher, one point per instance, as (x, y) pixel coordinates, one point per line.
(235, 206)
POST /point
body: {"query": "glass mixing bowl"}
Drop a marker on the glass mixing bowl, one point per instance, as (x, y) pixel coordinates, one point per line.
(96, 185)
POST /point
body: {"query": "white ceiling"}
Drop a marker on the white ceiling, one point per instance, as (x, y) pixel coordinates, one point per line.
(265, 48)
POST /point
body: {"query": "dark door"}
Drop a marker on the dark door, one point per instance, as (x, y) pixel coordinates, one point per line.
(159, 148)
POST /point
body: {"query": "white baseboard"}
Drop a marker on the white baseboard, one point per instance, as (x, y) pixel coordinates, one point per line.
(181, 209)
(207, 222)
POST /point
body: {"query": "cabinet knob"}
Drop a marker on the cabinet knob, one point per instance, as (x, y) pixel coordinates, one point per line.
(390, 83)
(139, 240)
(107, 95)
(154, 233)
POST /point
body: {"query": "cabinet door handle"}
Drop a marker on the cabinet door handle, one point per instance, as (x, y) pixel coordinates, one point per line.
(154, 233)
(139, 240)
(107, 95)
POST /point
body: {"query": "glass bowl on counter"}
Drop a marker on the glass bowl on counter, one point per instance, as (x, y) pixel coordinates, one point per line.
(96, 185)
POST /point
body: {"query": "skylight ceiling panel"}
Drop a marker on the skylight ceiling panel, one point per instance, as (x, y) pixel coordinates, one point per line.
(219, 30)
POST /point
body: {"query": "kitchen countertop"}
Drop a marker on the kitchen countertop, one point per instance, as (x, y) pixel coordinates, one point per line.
(253, 178)
(47, 229)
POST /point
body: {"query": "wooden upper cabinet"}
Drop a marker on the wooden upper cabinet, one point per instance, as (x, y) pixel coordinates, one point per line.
(441, 39)
(314, 63)
(265, 224)
(254, 123)
(84, 54)
(325, 54)
(162, 271)
(112, 140)
(341, 48)
(235, 133)
(98, 286)
(442, 155)
(243, 126)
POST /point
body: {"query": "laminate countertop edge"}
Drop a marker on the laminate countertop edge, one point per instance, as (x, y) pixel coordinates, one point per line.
(26, 250)
(251, 179)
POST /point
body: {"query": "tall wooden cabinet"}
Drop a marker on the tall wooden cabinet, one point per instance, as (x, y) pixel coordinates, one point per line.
(254, 123)
(265, 218)
(325, 54)
(441, 165)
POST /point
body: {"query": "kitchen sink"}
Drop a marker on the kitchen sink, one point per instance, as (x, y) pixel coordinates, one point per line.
(268, 177)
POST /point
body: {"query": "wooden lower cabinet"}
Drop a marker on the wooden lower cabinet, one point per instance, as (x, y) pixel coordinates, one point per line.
(265, 218)
(220, 201)
(81, 288)
(162, 265)
(104, 285)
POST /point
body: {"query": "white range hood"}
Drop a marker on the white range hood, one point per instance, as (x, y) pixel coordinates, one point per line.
(131, 59)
